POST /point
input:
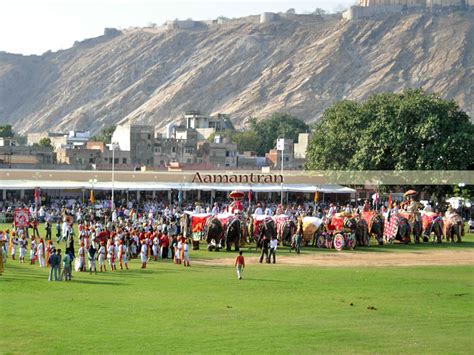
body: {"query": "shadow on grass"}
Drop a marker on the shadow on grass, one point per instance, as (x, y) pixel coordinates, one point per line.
(96, 282)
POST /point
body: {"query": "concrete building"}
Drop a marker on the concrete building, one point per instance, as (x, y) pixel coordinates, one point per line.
(136, 139)
(206, 126)
(78, 155)
(25, 156)
(250, 160)
(8, 142)
(181, 149)
(299, 148)
(220, 154)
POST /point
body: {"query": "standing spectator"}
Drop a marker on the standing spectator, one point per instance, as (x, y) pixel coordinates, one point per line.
(164, 242)
(40, 251)
(48, 230)
(33, 250)
(67, 264)
(34, 224)
(144, 254)
(273, 248)
(102, 256)
(91, 256)
(82, 257)
(58, 231)
(239, 265)
(60, 269)
(23, 244)
(265, 243)
(53, 266)
(186, 253)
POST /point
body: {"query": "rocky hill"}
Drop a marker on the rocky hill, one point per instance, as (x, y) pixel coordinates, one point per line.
(151, 76)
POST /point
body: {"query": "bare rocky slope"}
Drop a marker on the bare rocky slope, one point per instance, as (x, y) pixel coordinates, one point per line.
(151, 76)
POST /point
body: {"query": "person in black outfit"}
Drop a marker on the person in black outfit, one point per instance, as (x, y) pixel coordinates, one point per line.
(265, 243)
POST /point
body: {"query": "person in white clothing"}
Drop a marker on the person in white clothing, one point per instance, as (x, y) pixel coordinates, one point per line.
(33, 251)
(156, 247)
(177, 254)
(102, 257)
(40, 251)
(122, 255)
(82, 257)
(14, 245)
(23, 244)
(258, 210)
(144, 254)
(186, 253)
(273, 249)
(111, 255)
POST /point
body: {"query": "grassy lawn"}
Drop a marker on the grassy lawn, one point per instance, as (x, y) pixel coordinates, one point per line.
(275, 308)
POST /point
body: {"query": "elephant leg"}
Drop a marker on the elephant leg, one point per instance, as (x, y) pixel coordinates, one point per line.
(228, 245)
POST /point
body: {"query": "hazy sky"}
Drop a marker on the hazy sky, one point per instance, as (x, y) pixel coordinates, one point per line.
(33, 27)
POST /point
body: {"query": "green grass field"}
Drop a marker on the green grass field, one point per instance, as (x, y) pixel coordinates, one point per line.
(275, 308)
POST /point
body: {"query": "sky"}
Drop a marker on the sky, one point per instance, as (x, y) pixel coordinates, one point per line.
(34, 27)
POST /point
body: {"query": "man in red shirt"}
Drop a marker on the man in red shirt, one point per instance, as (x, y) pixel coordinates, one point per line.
(239, 265)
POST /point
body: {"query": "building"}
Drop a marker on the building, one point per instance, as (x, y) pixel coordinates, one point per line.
(300, 147)
(136, 139)
(182, 149)
(220, 153)
(250, 160)
(290, 162)
(78, 155)
(8, 142)
(206, 126)
(26, 157)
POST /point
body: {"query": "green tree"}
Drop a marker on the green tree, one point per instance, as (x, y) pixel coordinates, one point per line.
(6, 131)
(43, 143)
(411, 130)
(277, 125)
(105, 135)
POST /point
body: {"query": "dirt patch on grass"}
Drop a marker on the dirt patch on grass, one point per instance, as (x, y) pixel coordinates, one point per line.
(347, 258)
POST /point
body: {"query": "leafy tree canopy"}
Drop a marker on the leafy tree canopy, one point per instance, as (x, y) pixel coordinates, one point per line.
(277, 125)
(262, 135)
(105, 135)
(411, 130)
(44, 143)
(6, 131)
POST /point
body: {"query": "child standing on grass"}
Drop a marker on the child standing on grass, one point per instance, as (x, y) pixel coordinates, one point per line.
(239, 265)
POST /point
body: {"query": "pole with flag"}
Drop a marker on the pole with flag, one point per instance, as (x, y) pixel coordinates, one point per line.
(91, 197)
(389, 207)
(316, 195)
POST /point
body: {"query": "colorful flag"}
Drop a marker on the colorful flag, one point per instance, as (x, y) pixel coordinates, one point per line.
(249, 195)
(390, 201)
(316, 195)
(91, 198)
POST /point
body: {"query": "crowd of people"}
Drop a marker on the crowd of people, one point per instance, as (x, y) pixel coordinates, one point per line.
(149, 231)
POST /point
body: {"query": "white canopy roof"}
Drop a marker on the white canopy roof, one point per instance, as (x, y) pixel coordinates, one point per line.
(157, 186)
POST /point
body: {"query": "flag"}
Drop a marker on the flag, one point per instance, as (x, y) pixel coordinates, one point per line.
(316, 195)
(249, 195)
(390, 201)
(37, 194)
(91, 198)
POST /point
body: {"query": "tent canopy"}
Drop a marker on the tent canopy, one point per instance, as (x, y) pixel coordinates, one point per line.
(157, 186)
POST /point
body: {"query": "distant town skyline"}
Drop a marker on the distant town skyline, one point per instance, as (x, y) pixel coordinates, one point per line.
(34, 27)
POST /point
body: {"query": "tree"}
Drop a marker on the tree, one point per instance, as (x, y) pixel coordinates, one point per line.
(105, 135)
(411, 130)
(43, 143)
(278, 125)
(6, 131)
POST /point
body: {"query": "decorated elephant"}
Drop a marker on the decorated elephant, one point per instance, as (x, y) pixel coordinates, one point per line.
(233, 234)
(404, 231)
(454, 227)
(214, 234)
(288, 229)
(266, 230)
(432, 223)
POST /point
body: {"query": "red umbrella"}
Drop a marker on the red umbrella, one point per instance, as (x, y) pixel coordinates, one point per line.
(237, 195)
